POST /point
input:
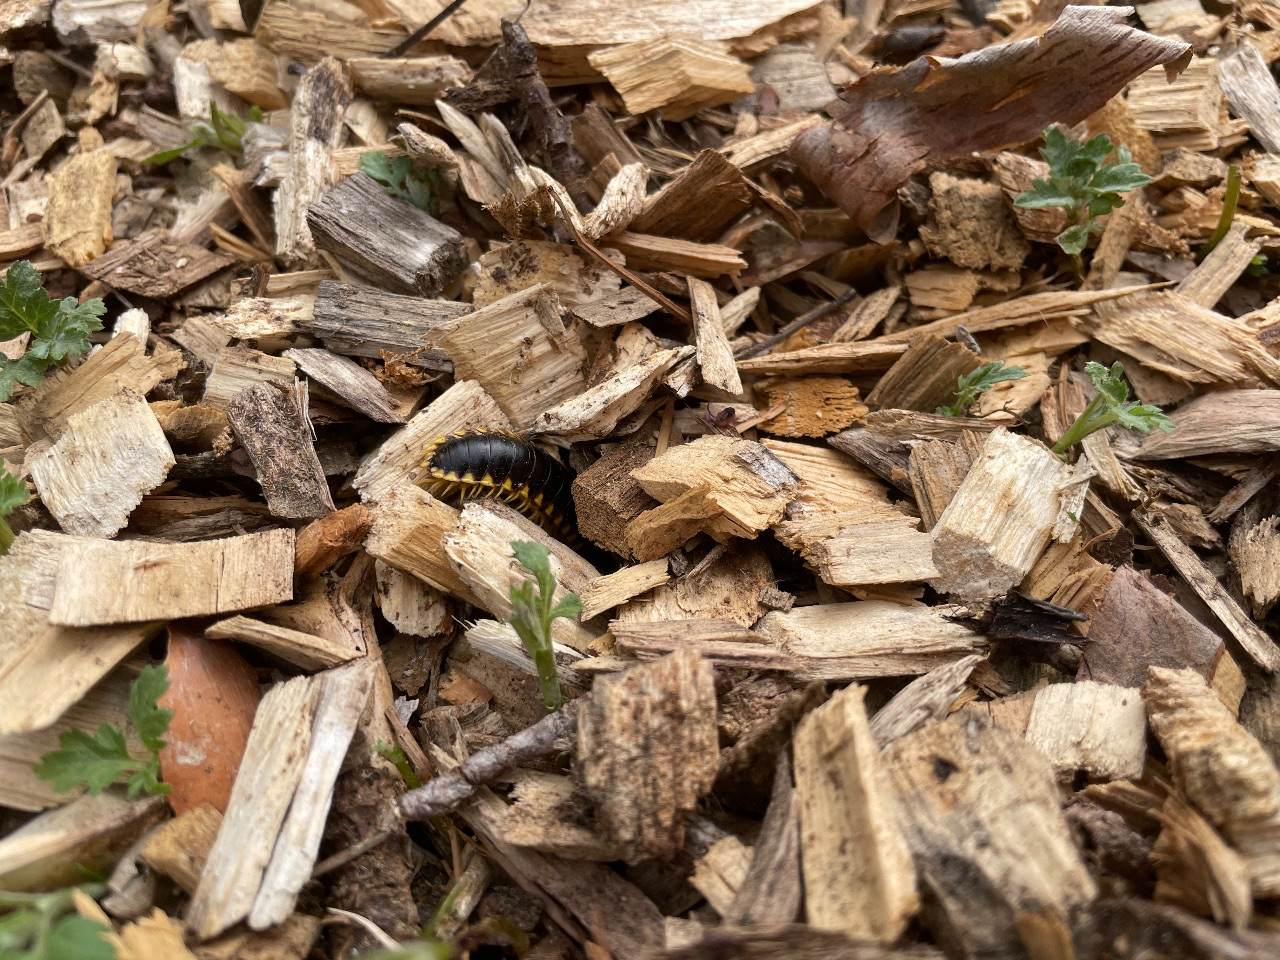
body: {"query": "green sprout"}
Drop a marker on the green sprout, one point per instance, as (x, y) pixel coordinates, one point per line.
(99, 760)
(13, 494)
(1083, 183)
(224, 131)
(531, 616)
(977, 382)
(59, 328)
(395, 754)
(1111, 406)
(400, 178)
(45, 926)
(1230, 203)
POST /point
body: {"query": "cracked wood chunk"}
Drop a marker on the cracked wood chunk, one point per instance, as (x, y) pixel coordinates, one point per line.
(648, 750)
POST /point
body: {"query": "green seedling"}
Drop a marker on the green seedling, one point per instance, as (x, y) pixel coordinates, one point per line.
(59, 329)
(1110, 407)
(1230, 203)
(13, 494)
(99, 760)
(395, 754)
(1083, 183)
(532, 615)
(977, 382)
(224, 131)
(400, 178)
(45, 926)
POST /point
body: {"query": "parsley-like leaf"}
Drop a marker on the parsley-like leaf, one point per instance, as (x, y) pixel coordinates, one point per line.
(59, 328)
(1111, 407)
(1083, 183)
(149, 720)
(13, 493)
(977, 382)
(77, 938)
(97, 761)
(400, 178)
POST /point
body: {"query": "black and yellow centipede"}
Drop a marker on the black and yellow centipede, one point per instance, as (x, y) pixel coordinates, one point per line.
(500, 465)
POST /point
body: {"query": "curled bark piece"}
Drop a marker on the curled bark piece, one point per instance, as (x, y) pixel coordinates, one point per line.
(890, 123)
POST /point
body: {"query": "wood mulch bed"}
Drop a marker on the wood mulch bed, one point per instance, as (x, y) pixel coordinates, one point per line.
(853, 678)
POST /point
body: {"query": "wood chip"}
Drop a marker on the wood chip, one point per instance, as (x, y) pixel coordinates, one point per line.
(276, 435)
(171, 580)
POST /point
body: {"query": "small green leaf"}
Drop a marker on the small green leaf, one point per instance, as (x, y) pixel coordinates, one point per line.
(1073, 240)
(84, 759)
(77, 938)
(1042, 194)
(149, 720)
(13, 493)
(1120, 178)
(162, 157)
(569, 607)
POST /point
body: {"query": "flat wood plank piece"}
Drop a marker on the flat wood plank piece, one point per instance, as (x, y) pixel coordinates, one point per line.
(1256, 643)
(171, 580)
(112, 455)
(1221, 769)
(1224, 421)
(354, 385)
(77, 219)
(648, 750)
(273, 763)
(364, 322)
(858, 874)
(646, 252)
(305, 650)
(981, 812)
(343, 694)
(870, 638)
(680, 75)
(390, 242)
(273, 431)
(45, 669)
(612, 590)
(155, 266)
(237, 368)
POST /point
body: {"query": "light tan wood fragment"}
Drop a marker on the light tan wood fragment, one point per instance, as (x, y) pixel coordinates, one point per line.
(1255, 553)
(923, 700)
(612, 590)
(465, 405)
(1218, 272)
(1100, 728)
(413, 80)
(1196, 870)
(1001, 518)
(180, 848)
(981, 813)
(109, 458)
(830, 481)
(1221, 769)
(517, 266)
(410, 605)
(54, 849)
(20, 753)
(537, 819)
(875, 552)
(45, 669)
(647, 252)
(1251, 90)
(322, 542)
(726, 584)
(479, 550)
(1261, 647)
(924, 377)
(870, 638)
(719, 873)
(680, 75)
(520, 352)
(77, 220)
(715, 358)
(699, 202)
(862, 357)
(971, 225)
(305, 650)
(407, 534)
(1224, 421)
(122, 362)
(858, 874)
(171, 580)
(597, 410)
(244, 67)
(648, 751)
(238, 368)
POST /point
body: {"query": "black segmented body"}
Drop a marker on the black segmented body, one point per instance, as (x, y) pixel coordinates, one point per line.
(498, 465)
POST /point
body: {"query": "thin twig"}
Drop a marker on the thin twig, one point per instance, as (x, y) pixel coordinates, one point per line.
(343, 857)
(799, 323)
(420, 34)
(623, 272)
(445, 792)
